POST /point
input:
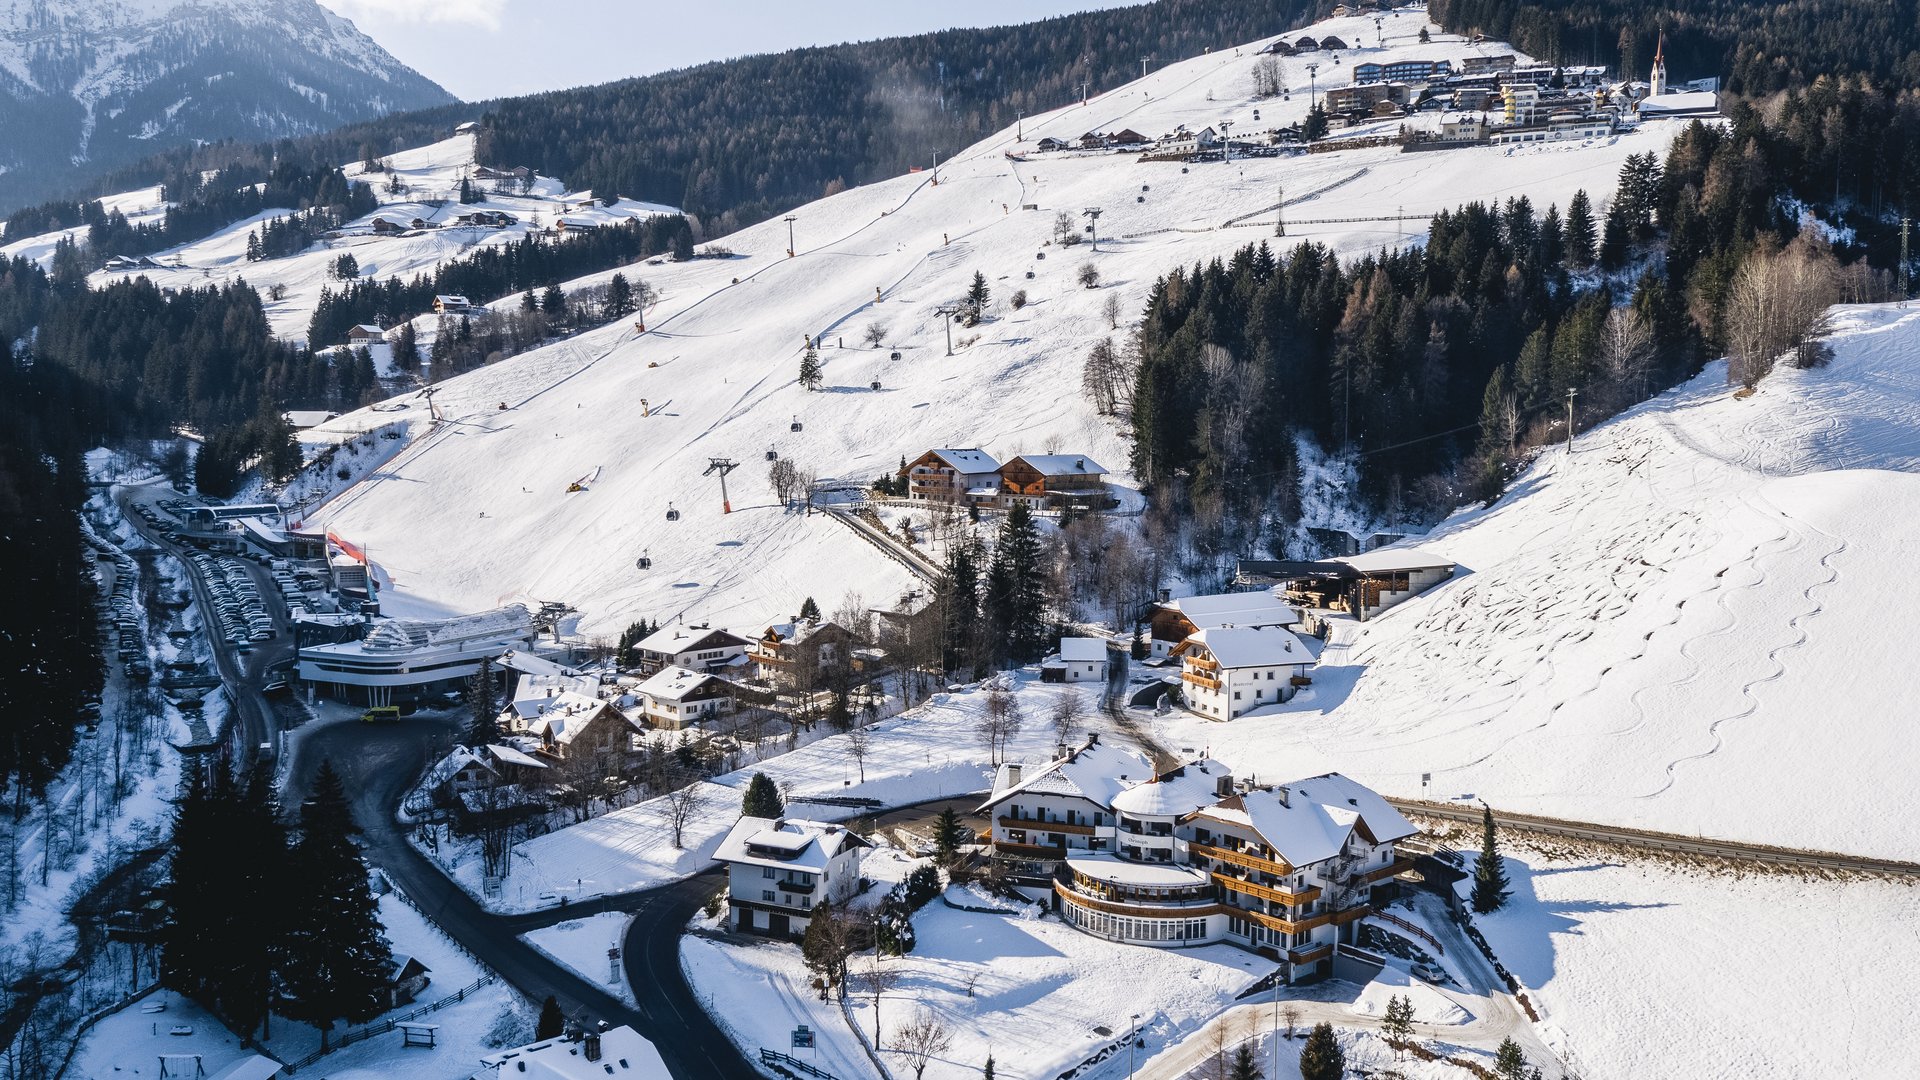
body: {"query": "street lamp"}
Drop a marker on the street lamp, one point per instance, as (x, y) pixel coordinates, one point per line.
(789, 220)
(1133, 1036)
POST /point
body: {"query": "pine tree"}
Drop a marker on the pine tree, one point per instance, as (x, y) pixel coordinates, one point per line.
(948, 834)
(809, 611)
(552, 1022)
(893, 927)
(977, 294)
(986, 1073)
(1579, 231)
(762, 799)
(1397, 1025)
(1016, 587)
(191, 939)
(619, 297)
(1244, 1067)
(1320, 1058)
(810, 373)
(1510, 1062)
(958, 595)
(485, 728)
(334, 956)
(257, 881)
(554, 302)
(467, 196)
(1489, 874)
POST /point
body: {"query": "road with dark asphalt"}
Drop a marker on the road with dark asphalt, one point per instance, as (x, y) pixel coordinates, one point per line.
(1669, 843)
(377, 764)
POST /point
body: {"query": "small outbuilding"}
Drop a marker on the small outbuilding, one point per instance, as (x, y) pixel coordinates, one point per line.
(1080, 659)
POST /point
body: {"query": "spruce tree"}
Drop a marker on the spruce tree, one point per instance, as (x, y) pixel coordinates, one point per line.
(191, 939)
(810, 372)
(485, 728)
(958, 595)
(809, 611)
(619, 297)
(552, 1022)
(1510, 1062)
(1579, 231)
(1397, 1025)
(334, 956)
(977, 294)
(1490, 874)
(762, 799)
(553, 302)
(987, 1072)
(948, 834)
(1244, 1066)
(467, 197)
(1016, 588)
(1321, 1058)
(256, 882)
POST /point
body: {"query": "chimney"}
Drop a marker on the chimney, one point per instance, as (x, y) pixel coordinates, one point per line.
(1285, 796)
(1013, 774)
(591, 1051)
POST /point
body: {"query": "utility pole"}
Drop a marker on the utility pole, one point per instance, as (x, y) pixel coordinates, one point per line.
(789, 220)
(1570, 392)
(1092, 214)
(1280, 213)
(723, 466)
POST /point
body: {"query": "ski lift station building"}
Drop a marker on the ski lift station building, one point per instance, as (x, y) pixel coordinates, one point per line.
(407, 658)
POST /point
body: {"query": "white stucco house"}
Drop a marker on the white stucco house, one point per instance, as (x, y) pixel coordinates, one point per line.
(778, 869)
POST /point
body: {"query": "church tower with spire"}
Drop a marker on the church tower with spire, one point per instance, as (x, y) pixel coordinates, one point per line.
(1657, 81)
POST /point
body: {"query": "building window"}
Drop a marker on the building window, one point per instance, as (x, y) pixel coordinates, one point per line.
(767, 895)
(766, 872)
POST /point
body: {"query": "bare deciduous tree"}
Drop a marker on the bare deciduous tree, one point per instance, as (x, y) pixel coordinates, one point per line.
(1267, 78)
(879, 979)
(921, 1040)
(999, 722)
(859, 743)
(1066, 721)
(1626, 353)
(1112, 308)
(1104, 376)
(1778, 301)
(784, 476)
(875, 335)
(682, 802)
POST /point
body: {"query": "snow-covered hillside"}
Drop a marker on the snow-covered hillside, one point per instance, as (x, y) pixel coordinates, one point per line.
(477, 512)
(1695, 623)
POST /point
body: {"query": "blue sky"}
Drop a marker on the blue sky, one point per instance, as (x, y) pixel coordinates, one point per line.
(493, 48)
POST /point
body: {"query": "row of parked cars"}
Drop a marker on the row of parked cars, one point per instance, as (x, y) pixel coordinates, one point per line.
(243, 615)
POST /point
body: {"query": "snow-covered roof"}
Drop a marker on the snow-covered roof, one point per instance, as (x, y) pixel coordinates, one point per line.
(529, 664)
(444, 769)
(1062, 464)
(1262, 608)
(303, 419)
(450, 298)
(1685, 101)
(1175, 793)
(967, 459)
(251, 1067)
(513, 755)
(785, 842)
(1388, 560)
(1082, 650)
(1098, 773)
(623, 1053)
(672, 683)
(1249, 646)
(1307, 821)
(564, 716)
(367, 328)
(679, 637)
(1127, 872)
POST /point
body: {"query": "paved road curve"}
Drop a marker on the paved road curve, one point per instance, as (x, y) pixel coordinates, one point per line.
(378, 762)
(1671, 843)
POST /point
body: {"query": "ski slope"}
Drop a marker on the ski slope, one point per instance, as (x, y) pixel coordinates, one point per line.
(476, 512)
(1696, 623)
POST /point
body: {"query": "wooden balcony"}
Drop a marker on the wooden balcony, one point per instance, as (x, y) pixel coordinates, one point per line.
(1285, 926)
(1032, 825)
(1200, 680)
(1204, 663)
(1245, 860)
(1391, 870)
(1029, 851)
(1352, 914)
(1267, 892)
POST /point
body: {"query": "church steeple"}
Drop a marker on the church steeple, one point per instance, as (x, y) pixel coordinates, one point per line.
(1657, 82)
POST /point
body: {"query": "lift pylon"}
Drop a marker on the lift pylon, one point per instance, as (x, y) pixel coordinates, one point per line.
(723, 466)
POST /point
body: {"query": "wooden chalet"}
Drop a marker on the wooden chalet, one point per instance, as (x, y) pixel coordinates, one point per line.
(366, 334)
(1055, 480)
(790, 655)
(966, 474)
(451, 304)
(384, 227)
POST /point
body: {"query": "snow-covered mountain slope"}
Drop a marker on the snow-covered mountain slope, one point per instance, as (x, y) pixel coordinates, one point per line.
(1698, 622)
(478, 514)
(88, 84)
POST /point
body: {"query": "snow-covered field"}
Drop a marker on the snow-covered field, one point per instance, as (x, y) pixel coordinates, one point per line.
(582, 945)
(1643, 970)
(1684, 626)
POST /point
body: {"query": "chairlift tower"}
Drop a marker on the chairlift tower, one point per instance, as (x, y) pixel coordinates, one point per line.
(723, 466)
(1092, 214)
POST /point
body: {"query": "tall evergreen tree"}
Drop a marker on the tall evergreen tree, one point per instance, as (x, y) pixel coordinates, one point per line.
(948, 834)
(484, 728)
(619, 297)
(957, 593)
(1017, 588)
(809, 611)
(1490, 874)
(762, 798)
(1580, 231)
(1245, 1066)
(334, 956)
(1321, 1058)
(1510, 1062)
(977, 294)
(552, 1022)
(810, 371)
(257, 882)
(192, 959)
